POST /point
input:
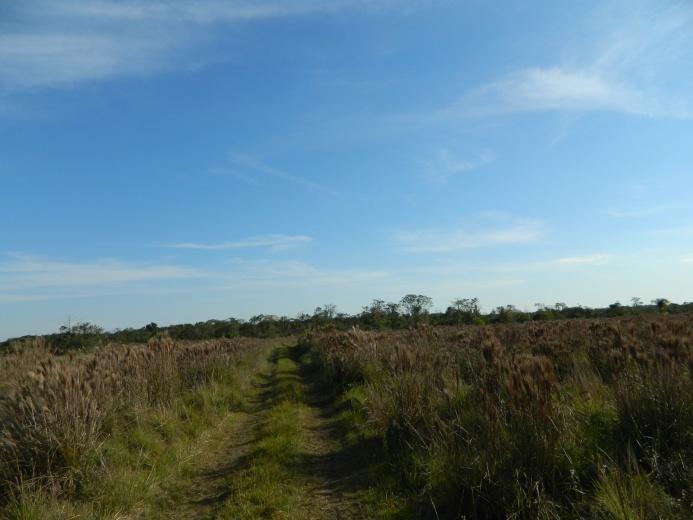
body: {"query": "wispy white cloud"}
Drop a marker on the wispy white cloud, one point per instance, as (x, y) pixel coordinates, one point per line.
(595, 259)
(466, 236)
(50, 59)
(628, 74)
(680, 232)
(295, 274)
(203, 12)
(27, 278)
(253, 165)
(20, 272)
(215, 11)
(640, 212)
(20, 298)
(445, 165)
(687, 259)
(47, 44)
(544, 89)
(235, 172)
(273, 242)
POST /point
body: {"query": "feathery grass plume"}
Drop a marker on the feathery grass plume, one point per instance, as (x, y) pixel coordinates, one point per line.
(56, 411)
(517, 420)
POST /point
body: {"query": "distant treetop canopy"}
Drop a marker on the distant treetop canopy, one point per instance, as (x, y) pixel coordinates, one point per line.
(411, 310)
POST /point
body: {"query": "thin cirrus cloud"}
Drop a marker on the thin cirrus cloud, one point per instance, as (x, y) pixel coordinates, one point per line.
(596, 259)
(516, 231)
(292, 273)
(215, 11)
(272, 242)
(59, 43)
(28, 278)
(641, 212)
(559, 89)
(636, 70)
(555, 88)
(206, 11)
(48, 44)
(445, 165)
(251, 168)
(22, 272)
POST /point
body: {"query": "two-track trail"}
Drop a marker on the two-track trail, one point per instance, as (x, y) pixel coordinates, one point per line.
(281, 457)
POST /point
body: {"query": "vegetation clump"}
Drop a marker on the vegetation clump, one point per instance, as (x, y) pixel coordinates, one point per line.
(560, 419)
(62, 416)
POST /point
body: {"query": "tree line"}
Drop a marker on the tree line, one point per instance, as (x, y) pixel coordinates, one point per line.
(412, 310)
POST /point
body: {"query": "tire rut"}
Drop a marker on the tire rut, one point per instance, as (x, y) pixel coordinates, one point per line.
(324, 471)
(206, 487)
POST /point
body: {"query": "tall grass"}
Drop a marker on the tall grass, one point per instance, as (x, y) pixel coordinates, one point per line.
(565, 419)
(58, 412)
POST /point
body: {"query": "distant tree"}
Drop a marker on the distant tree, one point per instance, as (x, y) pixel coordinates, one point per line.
(267, 328)
(82, 328)
(468, 305)
(78, 335)
(662, 304)
(152, 328)
(392, 309)
(635, 301)
(543, 312)
(375, 314)
(416, 306)
(615, 309)
(378, 305)
(232, 328)
(505, 314)
(324, 315)
(465, 310)
(329, 311)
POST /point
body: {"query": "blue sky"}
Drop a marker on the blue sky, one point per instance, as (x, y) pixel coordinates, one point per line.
(180, 161)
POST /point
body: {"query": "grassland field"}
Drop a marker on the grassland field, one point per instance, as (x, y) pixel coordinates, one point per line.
(557, 419)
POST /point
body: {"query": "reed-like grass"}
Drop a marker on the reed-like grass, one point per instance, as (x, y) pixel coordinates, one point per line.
(63, 418)
(566, 419)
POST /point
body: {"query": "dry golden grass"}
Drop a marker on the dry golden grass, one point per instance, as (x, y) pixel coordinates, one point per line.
(56, 411)
(530, 420)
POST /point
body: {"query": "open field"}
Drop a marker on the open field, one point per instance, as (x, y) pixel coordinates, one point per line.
(560, 419)
(346, 260)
